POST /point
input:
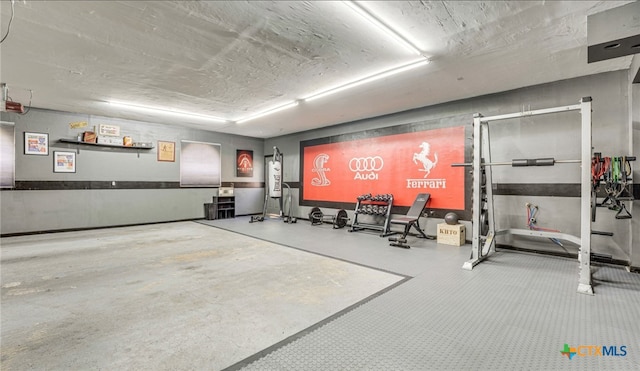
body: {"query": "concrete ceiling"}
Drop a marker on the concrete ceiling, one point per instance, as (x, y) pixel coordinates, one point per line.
(233, 59)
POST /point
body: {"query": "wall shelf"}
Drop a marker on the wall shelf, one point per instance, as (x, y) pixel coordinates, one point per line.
(103, 145)
(75, 141)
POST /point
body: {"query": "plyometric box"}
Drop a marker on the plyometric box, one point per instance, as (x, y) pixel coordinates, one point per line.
(451, 234)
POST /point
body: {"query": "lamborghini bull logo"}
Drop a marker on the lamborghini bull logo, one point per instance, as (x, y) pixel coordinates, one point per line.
(423, 157)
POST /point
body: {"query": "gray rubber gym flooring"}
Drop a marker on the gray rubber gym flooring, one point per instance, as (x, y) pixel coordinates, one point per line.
(229, 294)
(514, 311)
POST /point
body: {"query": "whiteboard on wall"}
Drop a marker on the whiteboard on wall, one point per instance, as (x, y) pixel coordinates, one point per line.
(200, 164)
(7, 155)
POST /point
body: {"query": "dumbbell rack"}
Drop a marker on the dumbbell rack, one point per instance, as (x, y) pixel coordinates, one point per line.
(373, 208)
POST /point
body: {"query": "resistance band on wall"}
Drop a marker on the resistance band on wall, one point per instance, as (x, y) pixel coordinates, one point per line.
(613, 176)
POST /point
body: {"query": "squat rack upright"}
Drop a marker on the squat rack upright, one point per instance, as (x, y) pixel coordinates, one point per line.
(484, 192)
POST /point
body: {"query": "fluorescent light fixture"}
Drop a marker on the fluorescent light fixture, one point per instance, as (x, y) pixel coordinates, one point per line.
(383, 27)
(268, 112)
(167, 111)
(368, 79)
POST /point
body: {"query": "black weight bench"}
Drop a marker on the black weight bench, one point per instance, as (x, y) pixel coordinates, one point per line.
(411, 219)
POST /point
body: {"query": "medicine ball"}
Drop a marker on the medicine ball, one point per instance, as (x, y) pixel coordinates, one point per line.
(451, 218)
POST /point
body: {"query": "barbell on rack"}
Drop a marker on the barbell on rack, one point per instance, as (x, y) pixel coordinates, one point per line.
(316, 216)
(521, 162)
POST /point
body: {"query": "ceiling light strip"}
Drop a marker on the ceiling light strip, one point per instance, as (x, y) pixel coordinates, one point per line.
(268, 112)
(167, 111)
(382, 26)
(368, 79)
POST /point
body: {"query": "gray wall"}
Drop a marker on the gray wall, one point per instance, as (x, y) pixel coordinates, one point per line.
(43, 210)
(555, 136)
(616, 117)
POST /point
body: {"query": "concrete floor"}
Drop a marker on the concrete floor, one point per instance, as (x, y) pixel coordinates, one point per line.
(226, 294)
(163, 297)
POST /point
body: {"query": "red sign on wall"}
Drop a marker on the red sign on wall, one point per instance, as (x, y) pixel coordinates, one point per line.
(244, 163)
(400, 164)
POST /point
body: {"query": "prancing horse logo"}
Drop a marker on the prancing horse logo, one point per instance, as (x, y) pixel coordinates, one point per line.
(427, 164)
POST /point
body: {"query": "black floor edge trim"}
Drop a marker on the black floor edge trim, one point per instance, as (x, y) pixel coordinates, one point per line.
(90, 228)
(247, 361)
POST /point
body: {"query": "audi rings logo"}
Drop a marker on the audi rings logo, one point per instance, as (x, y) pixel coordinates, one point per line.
(366, 168)
(366, 164)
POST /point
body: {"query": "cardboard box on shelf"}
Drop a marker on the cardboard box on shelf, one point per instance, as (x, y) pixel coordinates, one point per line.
(89, 137)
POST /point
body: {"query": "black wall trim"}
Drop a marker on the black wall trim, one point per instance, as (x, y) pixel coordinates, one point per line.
(293, 185)
(244, 184)
(548, 189)
(503, 189)
(38, 185)
(540, 189)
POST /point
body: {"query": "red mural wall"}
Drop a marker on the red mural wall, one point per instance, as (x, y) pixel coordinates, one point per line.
(400, 164)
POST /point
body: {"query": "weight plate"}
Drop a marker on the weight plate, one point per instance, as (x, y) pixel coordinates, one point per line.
(315, 215)
(484, 223)
(341, 219)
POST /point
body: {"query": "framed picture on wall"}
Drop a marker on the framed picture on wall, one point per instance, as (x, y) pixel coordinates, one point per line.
(244, 163)
(109, 130)
(166, 151)
(64, 162)
(36, 144)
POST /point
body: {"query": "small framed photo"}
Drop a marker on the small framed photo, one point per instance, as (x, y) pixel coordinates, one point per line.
(36, 144)
(166, 151)
(109, 130)
(64, 162)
